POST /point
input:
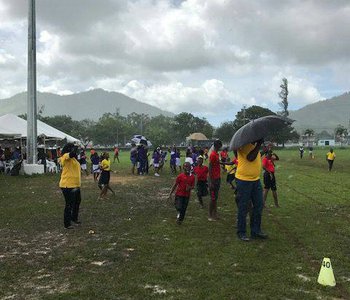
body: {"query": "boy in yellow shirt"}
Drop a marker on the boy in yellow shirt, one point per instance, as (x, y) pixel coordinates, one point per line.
(103, 182)
(330, 159)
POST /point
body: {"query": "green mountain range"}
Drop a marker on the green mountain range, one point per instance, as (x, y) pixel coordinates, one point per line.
(85, 105)
(323, 115)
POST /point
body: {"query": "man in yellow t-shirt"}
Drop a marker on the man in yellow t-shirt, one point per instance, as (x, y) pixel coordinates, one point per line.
(330, 159)
(249, 190)
(70, 184)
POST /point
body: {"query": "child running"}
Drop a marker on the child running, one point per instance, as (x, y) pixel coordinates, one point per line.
(103, 183)
(173, 160)
(156, 161)
(269, 176)
(184, 183)
(330, 156)
(202, 180)
(214, 180)
(231, 168)
(95, 160)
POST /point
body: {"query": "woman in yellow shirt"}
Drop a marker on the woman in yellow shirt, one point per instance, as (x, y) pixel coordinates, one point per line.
(330, 159)
(70, 184)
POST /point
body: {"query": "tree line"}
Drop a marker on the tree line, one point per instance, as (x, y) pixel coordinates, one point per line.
(113, 128)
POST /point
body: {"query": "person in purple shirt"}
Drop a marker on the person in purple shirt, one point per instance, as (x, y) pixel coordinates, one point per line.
(156, 160)
(142, 158)
(173, 160)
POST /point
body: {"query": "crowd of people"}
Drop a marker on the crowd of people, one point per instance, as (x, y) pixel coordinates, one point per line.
(242, 171)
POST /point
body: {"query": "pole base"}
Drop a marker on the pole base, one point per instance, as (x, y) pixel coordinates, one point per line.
(33, 169)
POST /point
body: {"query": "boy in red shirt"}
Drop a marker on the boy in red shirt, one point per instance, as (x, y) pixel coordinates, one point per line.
(214, 180)
(184, 184)
(116, 154)
(269, 176)
(202, 179)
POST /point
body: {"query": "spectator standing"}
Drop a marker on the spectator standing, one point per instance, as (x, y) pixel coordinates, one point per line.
(133, 157)
(83, 163)
(142, 159)
(70, 183)
(249, 190)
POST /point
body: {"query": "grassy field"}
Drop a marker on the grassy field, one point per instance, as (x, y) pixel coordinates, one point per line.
(137, 251)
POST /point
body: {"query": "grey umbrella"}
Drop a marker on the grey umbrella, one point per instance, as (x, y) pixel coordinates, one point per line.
(258, 129)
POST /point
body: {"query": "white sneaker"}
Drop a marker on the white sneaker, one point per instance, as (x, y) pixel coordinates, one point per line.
(156, 174)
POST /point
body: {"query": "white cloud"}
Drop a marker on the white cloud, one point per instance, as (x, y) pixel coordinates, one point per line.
(48, 48)
(6, 58)
(206, 56)
(209, 98)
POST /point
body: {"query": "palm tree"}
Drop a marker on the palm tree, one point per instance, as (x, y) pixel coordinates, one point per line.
(309, 133)
(341, 132)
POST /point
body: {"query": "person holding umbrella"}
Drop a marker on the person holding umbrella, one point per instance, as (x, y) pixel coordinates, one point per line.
(249, 190)
(246, 142)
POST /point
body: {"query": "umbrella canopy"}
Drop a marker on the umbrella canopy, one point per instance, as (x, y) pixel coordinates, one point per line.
(197, 136)
(140, 139)
(258, 129)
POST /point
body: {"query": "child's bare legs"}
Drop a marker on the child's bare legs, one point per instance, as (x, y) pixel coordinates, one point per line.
(274, 194)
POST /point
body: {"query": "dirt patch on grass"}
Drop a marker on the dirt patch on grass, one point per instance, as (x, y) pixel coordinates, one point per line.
(120, 179)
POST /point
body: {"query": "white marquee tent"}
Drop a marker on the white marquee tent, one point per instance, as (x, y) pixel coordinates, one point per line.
(11, 125)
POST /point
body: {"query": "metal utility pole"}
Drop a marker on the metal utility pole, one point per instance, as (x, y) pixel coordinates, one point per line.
(244, 118)
(31, 87)
(141, 124)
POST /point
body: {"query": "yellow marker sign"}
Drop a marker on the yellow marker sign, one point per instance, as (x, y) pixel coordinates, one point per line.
(326, 276)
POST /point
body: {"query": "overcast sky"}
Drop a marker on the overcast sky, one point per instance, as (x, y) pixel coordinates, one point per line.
(207, 57)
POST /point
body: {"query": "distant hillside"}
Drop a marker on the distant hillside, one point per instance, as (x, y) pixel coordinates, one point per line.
(323, 115)
(86, 105)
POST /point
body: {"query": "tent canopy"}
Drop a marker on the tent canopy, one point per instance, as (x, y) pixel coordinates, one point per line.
(197, 136)
(6, 134)
(12, 125)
